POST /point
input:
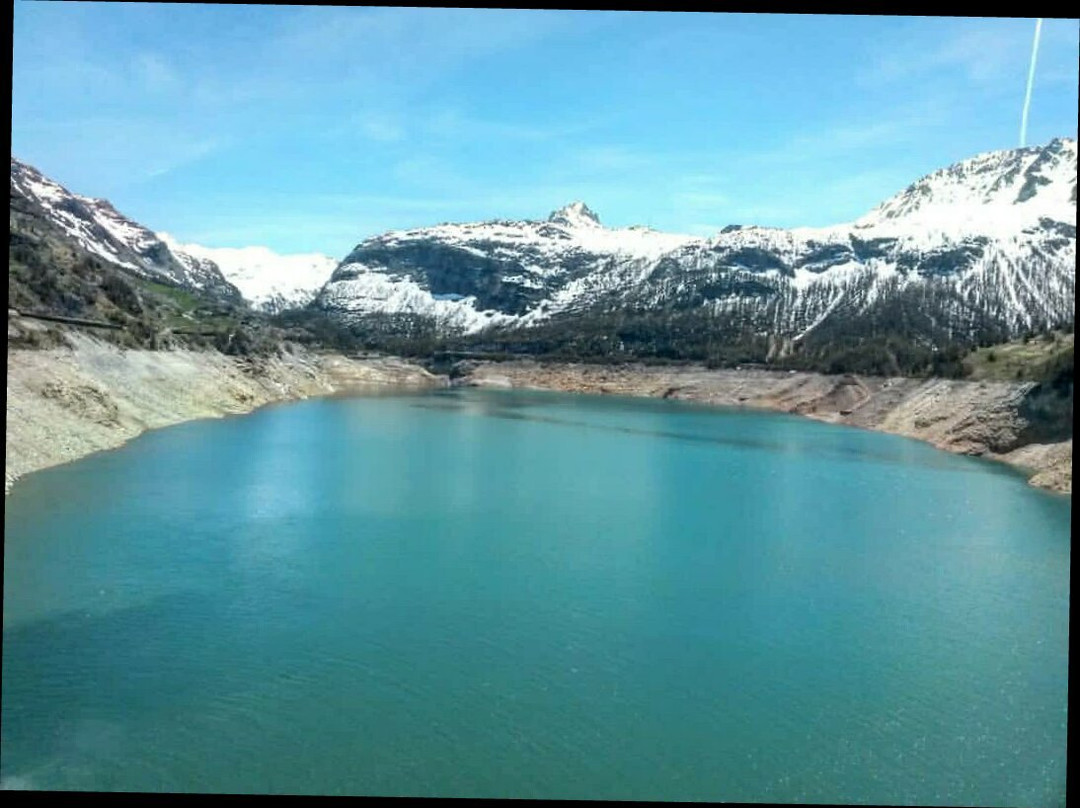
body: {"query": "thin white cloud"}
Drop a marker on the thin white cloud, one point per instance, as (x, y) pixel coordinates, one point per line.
(982, 52)
(380, 128)
(183, 153)
(855, 194)
(127, 151)
(430, 172)
(698, 200)
(841, 138)
(389, 50)
(1030, 82)
(611, 157)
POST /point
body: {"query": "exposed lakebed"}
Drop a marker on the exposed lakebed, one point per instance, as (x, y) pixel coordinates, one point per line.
(527, 594)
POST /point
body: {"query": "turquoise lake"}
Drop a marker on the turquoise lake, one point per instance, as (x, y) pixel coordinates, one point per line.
(525, 594)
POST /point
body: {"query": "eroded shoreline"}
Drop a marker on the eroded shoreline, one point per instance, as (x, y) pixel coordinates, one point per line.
(68, 402)
(65, 403)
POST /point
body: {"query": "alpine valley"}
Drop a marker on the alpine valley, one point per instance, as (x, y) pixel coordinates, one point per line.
(981, 251)
(963, 279)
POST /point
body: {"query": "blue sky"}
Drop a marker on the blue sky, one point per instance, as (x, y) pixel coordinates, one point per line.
(310, 128)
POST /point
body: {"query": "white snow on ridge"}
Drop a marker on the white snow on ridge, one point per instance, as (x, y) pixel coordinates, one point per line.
(265, 279)
(995, 192)
(541, 248)
(1011, 210)
(998, 230)
(102, 230)
(372, 291)
(549, 238)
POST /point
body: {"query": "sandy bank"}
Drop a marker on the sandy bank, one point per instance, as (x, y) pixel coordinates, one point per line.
(65, 403)
(975, 418)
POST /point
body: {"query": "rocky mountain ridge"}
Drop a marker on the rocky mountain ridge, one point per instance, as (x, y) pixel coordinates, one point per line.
(986, 246)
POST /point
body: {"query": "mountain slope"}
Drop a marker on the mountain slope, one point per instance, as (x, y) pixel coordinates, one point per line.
(984, 248)
(97, 227)
(472, 275)
(268, 281)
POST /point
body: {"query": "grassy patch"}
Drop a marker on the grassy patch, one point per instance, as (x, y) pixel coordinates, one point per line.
(1019, 360)
(183, 298)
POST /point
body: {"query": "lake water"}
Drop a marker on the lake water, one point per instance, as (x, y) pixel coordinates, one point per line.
(516, 594)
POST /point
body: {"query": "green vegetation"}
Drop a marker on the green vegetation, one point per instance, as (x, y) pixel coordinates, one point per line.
(184, 299)
(1047, 361)
(50, 274)
(683, 337)
(1027, 359)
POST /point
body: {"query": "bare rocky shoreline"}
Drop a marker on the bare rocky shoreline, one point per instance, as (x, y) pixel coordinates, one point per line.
(974, 418)
(67, 402)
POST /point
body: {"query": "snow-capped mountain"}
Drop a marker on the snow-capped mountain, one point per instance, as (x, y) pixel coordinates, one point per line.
(988, 243)
(472, 275)
(100, 229)
(268, 281)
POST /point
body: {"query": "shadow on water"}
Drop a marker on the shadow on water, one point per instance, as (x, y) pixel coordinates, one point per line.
(497, 404)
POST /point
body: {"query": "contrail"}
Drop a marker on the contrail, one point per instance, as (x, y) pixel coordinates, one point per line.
(1031, 80)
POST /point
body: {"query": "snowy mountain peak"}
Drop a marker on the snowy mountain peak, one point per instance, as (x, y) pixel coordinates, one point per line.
(990, 191)
(986, 246)
(576, 214)
(267, 280)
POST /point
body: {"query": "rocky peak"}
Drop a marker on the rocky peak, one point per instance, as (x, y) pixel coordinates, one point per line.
(576, 214)
(988, 192)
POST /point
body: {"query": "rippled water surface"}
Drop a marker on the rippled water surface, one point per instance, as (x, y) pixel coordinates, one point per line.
(509, 594)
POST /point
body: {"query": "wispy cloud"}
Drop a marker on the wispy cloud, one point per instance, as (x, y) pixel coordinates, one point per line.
(427, 171)
(401, 46)
(982, 51)
(603, 158)
(381, 129)
(842, 138)
(849, 196)
(129, 151)
(1030, 82)
(182, 153)
(693, 201)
